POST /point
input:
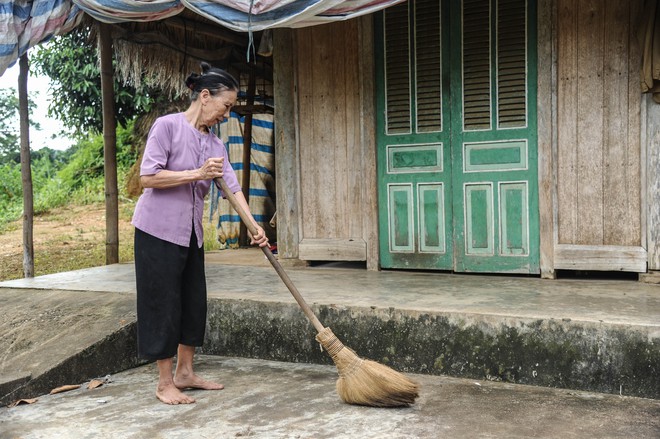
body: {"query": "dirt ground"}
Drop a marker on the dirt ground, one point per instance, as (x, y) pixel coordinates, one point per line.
(65, 239)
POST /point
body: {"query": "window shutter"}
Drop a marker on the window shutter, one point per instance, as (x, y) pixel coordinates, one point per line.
(428, 62)
(511, 64)
(476, 65)
(397, 69)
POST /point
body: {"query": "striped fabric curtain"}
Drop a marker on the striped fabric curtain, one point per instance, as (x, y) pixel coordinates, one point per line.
(24, 24)
(262, 177)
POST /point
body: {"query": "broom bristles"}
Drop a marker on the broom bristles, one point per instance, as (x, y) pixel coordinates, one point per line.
(366, 382)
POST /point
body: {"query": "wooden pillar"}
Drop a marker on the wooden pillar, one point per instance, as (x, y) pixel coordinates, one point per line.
(109, 147)
(26, 170)
(287, 166)
(247, 152)
(546, 98)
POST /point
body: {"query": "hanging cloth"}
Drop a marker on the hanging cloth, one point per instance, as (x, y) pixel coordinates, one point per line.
(648, 35)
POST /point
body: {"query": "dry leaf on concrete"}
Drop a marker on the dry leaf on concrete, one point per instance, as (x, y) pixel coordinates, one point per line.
(22, 401)
(64, 388)
(95, 383)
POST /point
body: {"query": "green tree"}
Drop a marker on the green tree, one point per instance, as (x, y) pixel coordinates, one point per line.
(71, 62)
(10, 147)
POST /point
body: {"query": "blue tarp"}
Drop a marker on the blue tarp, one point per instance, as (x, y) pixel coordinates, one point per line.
(24, 24)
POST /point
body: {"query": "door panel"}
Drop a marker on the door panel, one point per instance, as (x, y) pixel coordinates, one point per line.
(456, 143)
(413, 136)
(493, 136)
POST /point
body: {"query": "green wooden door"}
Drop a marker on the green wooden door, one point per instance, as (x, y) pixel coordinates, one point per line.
(457, 159)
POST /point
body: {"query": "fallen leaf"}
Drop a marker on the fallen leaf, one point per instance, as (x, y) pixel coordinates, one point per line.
(22, 401)
(64, 388)
(95, 383)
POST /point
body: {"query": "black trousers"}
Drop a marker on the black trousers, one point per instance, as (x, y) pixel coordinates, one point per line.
(171, 295)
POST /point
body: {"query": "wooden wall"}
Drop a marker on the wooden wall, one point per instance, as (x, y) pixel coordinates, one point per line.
(332, 144)
(598, 161)
(598, 150)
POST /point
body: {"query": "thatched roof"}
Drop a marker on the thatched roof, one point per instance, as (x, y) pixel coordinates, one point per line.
(164, 52)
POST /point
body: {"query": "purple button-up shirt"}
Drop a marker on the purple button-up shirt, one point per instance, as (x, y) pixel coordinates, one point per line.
(170, 214)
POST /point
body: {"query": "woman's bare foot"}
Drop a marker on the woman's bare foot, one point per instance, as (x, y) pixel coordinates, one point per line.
(170, 394)
(195, 382)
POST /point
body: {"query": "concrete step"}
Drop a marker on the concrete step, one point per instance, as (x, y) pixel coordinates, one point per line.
(600, 357)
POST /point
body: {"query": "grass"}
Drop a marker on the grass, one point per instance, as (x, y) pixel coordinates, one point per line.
(72, 238)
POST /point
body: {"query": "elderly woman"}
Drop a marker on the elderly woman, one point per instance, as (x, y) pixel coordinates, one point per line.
(181, 159)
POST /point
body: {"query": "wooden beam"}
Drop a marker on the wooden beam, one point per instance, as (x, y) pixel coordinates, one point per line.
(220, 57)
(26, 170)
(208, 30)
(333, 249)
(600, 258)
(109, 147)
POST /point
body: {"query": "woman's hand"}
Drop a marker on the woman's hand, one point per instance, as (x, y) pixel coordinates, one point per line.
(212, 168)
(260, 238)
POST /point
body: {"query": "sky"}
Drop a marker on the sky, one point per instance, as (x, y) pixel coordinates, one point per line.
(49, 127)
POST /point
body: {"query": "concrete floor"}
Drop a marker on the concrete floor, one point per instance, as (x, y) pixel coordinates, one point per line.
(267, 399)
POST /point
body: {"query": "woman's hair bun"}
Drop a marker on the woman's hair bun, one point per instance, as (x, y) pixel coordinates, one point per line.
(212, 78)
(191, 80)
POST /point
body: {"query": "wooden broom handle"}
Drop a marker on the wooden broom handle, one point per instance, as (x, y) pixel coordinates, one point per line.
(269, 255)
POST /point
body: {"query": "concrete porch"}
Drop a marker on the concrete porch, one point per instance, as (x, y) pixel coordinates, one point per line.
(565, 344)
(589, 335)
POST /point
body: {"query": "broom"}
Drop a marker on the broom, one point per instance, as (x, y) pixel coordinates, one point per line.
(361, 381)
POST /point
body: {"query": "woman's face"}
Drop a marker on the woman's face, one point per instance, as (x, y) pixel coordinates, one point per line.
(218, 106)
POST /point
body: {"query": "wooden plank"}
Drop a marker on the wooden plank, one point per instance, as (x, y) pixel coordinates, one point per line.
(601, 258)
(635, 148)
(321, 164)
(653, 182)
(590, 91)
(331, 177)
(286, 151)
(352, 144)
(334, 128)
(367, 139)
(567, 67)
(615, 123)
(309, 203)
(545, 44)
(621, 147)
(331, 249)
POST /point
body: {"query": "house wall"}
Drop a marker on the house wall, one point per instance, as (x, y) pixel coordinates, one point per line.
(326, 159)
(597, 141)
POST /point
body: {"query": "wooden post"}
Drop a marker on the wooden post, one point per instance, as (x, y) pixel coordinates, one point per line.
(109, 147)
(546, 120)
(247, 152)
(26, 170)
(287, 167)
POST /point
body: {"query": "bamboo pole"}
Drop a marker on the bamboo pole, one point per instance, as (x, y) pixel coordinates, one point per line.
(109, 147)
(26, 169)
